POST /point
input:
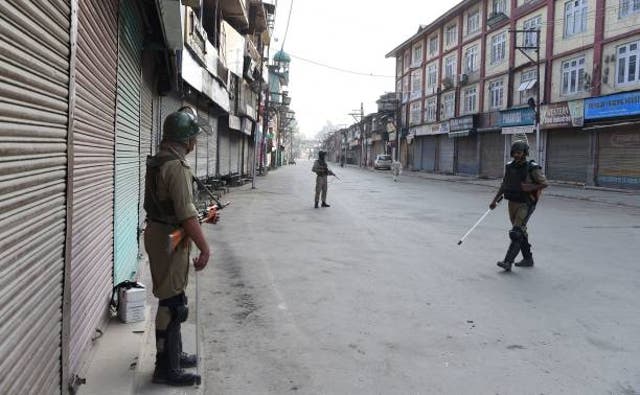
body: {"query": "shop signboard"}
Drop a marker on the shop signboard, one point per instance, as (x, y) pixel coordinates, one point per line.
(562, 115)
(612, 106)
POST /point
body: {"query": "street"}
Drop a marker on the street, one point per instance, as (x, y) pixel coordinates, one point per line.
(374, 296)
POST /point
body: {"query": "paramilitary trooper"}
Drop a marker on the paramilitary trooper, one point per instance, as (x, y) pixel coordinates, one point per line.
(522, 185)
(321, 168)
(169, 204)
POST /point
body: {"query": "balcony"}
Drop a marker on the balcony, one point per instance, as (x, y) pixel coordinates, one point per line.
(257, 17)
(235, 12)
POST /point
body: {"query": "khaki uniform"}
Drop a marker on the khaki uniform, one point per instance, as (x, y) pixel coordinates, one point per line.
(322, 171)
(520, 212)
(169, 269)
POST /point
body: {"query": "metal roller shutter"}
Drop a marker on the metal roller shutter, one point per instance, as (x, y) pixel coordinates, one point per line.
(619, 158)
(34, 108)
(248, 149)
(467, 155)
(234, 151)
(429, 144)
(445, 154)
(127, 173)
(223, 151)
(568, 155)
(146, 130)
(491, 155)
(212, 147)
(416, 147)
(199, 168)
(93, 147)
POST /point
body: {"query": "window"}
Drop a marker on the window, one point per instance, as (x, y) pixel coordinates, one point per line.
(451, 36)
(470, 100)
(450, 67)
(471, 59)
(498, 48)
(414, 113)
(499, 6)
(405, 88)
(430, 109)
(573, 76)
(575, 17)
(628, 67)
(628, 7)
(416, 84)
(417, 55)
(527, 86)
(473, 21)
(432, 75)
(407, 59)
(398, 66)
(496, 90)
(433, 46)
(530, 39)
(448, 105)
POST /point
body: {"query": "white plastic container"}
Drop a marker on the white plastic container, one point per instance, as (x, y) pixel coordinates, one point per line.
(132, 304)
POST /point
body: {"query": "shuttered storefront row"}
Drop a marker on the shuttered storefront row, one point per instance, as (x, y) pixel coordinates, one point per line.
(467, 155)
(212, 146)
(568, 155)
(445, 154)
(234, 151)
(146, 131)
(247, 149)
(127, 172)
(93, 148)
(34, 87)
(492, 154)
(619, 157)
(223, 148)
(429, 145)
(199, 167)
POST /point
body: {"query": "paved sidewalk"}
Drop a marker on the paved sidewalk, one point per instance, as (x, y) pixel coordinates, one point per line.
(123, 359)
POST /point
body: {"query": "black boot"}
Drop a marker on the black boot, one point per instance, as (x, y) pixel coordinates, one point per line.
(315, 205)
(325, 204)
(512, 252)
(527, 257)
(168, 368)
(188, 360)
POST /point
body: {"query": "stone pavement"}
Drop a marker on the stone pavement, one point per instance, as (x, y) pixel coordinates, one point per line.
(123, 359)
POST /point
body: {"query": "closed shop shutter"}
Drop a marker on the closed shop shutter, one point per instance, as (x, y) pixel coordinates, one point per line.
(445, 154)
(568, 155)
(619, 157)
(223, 150)
(93, 148)
(467, 155)
(416, 148)
(248, 149)
(199, 167)
(429, 153)
(146, 129)
(34, 90)
(492, 154)
(212, 146)
(127, 173)
(234, 151)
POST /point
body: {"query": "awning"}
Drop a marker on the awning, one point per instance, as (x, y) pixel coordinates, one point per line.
(527, 85)
(459, 133)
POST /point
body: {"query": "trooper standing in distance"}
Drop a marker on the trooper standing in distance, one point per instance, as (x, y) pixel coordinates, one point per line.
(322, 171)
(522, 185)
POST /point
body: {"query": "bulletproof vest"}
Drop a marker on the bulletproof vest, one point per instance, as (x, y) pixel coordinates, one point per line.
(157, 210)
(516, 174)
(322, 169)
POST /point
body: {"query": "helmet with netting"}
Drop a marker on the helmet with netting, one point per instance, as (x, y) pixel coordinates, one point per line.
(181, 125)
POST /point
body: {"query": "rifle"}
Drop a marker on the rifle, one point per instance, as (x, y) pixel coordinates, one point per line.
(208, 215)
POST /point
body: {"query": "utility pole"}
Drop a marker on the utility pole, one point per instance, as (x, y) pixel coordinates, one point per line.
(358, 117)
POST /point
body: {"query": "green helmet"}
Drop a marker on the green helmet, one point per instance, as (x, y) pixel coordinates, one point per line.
(520, 146)
(180, 126)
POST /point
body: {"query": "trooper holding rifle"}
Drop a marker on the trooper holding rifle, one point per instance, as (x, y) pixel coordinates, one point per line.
(169, 204)
(322, 171)
(522, 185)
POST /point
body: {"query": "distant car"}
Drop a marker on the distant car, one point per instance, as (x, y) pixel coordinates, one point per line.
(382, 162)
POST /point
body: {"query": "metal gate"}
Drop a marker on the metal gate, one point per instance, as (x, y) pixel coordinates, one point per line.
(619, 158)
(34, 111)
(568, 155)
(234, 151)
(127, 171)
(492, 155)
(93, 151)
(445, 154)
(429, 144)
(223, 150)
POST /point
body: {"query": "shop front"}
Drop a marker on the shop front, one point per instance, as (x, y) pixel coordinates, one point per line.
(492, 146)
(445, 151)
(463, 130)
(614, 121)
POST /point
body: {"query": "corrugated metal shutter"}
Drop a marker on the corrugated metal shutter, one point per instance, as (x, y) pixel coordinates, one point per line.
(416, 148)
(445, 154)
(492, 154)
(467, 155)
(127, 174)
(223, 150)
(568, 155)
(429, 144)
(34, 90)
(248, 150)
(619, 158)
(93, 147)
(212, 146)
(146, 130)
(234, 151)
(202, 156)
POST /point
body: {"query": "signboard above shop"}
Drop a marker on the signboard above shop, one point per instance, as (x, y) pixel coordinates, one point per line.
(462, 123)
(562, 115)
(612, 106)
(517, 117)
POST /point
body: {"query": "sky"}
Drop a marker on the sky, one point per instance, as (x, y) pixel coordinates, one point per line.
(353, 35)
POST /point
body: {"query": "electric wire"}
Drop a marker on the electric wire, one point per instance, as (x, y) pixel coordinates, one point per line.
(340, 69)
(286, 30)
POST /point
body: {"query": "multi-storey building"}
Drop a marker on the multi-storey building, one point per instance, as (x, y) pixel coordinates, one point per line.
(480, 73)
